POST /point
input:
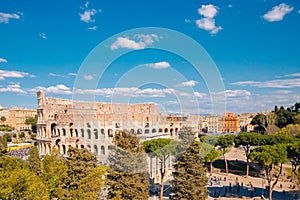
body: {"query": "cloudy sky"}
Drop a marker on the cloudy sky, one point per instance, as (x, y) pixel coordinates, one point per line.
(254, 45)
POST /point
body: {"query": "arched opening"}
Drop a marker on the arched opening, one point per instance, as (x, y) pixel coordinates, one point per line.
(110, 133)
(102, 150)
(64, 149)
(96, 133)
(171, 132)
(53, 131)
(81, 146)
(57, 142)
(132, 131)
(64, 132)
(166, 130)
(176, 131)
(76, 132)
(96, 149)
(89, 133)
(58, 132)
(146, 131)
(153, 130)
(102, 131)
(71, 132)
(82, 132)
(139, 131)
(89, 147)
(160, 130)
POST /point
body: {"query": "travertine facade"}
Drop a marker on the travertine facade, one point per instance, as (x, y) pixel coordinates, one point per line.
(15, 117)
(92, 125)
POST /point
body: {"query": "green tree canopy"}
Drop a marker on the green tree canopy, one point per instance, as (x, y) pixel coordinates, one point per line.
(31, 121)
(80, 163)
(189, 176)
(3, 119)
(271, 158)
(225, 142)
(211, 156)
(34, 162)
(54, 174)
(127, 177)
(248, 140)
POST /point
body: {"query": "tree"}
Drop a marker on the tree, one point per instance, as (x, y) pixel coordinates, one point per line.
(211, 157)
(3, 119)
(260, 120)
(90, 187)
(161, 149)
(21, 135)
(225, 142)
(18, 182)
(127, 177)
(32, 121)
(7, 137)
(189, 176)
(247, 141)
(54, 174)
(34, 162)
(271, 158)
(293, 154)
(80, 163)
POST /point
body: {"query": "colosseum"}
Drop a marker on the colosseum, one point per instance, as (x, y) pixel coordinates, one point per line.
(92, 125)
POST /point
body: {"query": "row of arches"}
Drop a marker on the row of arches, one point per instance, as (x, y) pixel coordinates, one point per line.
(98, 150)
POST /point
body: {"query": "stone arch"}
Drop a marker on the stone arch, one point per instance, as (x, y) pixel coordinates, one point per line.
(139, 131)
(82, 132)
(166, 130)
(96, 149)
(110, 133)
(102, 150)
(64, 132)
(160, 130)
(81, 146)
(96, 133)
(102, 131)
(89, 133)
(171, 132)
(64, 149)
(76, 133)
(53, 126)
(58, 130)
(132, 131)
(89, 147)
(147, 131)
(71, 132)
(153, 130)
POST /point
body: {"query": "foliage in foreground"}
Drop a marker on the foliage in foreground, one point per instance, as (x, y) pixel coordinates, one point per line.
(190, 175)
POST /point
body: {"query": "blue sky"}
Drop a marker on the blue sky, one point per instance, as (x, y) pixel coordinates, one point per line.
(254, 45)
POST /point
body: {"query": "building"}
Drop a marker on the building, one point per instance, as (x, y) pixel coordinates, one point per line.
(92, 125)
(245, 122)
(229, 123)
(15, 117)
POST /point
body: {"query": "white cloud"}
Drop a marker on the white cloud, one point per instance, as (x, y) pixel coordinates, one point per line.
(57, 75)
(57, 89)
(13, 74)
(298, 11)
(278, 12)
(2, 60)
(200, 95)
(14, 88)
(187, 21)
(5, 17)
(72, 74)
(208, 24)
(159, 65)
(93, 28)
(190, 83)
(139, 41)
(282, 83)
(43, 35)
(87, 15)
(208, 11)
(88, 77)
(230, 6)
(289, 75)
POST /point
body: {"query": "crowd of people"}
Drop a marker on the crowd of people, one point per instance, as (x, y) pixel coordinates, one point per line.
(21, 153)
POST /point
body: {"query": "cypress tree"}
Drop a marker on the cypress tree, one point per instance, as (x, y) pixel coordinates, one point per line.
(190, 178)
